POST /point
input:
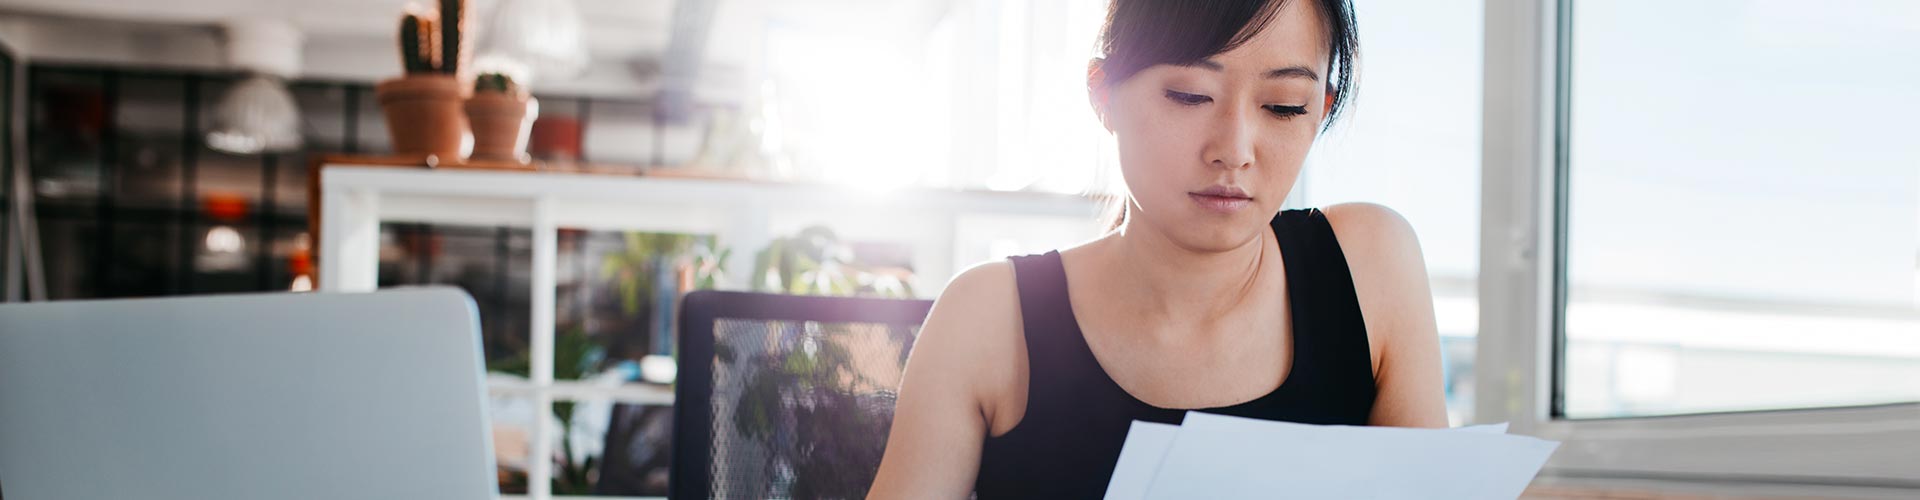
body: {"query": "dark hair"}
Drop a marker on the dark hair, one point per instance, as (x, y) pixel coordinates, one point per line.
(1142, 33)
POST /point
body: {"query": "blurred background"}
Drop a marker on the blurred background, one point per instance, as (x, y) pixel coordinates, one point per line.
(1742, 194)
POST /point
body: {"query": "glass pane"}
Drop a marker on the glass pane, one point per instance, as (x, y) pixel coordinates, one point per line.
(292, 172)
(1741, 235)
(322, 115)
(70, 111)
(512, 419)
(145, 259)
(228, 185)
(290, 256)
(1411, 141)
(149, 120)
(68, 243)
(7, 82)
(147, 172)
(612, 449)
(226, 256)
(370, 129)
(617, 299)
(289, 185)
(491, 264)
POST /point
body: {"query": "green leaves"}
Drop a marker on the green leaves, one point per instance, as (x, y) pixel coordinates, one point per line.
(495, 82)
(816, 262)
(634, 268)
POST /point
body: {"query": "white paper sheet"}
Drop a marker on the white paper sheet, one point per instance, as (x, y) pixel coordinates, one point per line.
(1146, 444)
(1499, 428)
(1213, 456)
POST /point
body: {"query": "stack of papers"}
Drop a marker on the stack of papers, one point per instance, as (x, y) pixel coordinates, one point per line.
(1222, 457)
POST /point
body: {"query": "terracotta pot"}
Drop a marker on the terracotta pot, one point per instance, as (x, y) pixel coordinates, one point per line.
(501, 122)
(424, 115)
(555, 139)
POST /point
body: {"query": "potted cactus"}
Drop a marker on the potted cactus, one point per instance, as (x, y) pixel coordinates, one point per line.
(502, 115)
(423, 106)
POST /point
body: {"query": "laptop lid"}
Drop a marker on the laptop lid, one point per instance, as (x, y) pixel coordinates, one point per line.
(285, 396)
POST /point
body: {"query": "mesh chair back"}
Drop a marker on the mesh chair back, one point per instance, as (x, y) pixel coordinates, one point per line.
(784, 396)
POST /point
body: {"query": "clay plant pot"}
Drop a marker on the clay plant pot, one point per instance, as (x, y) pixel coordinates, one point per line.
(424, 115)
(501, 122)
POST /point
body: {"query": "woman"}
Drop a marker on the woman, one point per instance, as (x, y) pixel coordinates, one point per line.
(1204, 297)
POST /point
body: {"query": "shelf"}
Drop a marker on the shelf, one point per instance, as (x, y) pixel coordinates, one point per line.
(945, 230)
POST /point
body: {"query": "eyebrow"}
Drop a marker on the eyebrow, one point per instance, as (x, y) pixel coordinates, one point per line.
(1287, 72)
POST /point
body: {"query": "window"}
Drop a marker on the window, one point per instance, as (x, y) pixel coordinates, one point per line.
(1649, 233)
(1411, 142)
(1742, 207)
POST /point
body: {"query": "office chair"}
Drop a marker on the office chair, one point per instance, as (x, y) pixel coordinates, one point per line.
(783, 396)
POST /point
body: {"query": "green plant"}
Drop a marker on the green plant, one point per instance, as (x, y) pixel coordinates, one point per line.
(648, 253)
(808, 406)
(495, 82)
(816, 262)
(632, 271)
(575, 356)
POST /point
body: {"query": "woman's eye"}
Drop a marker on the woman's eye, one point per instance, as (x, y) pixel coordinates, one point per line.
(1285, 111)
(1186, 99)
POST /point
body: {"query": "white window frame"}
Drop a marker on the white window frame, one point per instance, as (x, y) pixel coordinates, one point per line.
(1523, 158)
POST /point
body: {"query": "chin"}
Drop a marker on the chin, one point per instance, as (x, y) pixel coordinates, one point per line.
(1208, 234)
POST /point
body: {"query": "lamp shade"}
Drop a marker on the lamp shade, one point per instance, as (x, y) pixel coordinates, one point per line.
(529, 39)
(258, 115)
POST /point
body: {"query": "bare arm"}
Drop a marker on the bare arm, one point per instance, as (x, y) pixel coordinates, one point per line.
(962, 365)
(1390, 279)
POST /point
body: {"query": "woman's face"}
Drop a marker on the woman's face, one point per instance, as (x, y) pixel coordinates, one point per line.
(1208, 151)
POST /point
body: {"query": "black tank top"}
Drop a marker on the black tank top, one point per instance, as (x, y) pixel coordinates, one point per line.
(1077, 417)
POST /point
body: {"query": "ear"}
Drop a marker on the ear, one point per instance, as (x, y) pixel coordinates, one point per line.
(1328, 109)
(1097, 90)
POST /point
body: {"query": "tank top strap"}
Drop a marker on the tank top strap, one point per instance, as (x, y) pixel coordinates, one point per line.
(1327, 321)
(1057, 354)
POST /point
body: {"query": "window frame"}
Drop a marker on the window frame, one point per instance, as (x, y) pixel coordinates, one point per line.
(1522, 294)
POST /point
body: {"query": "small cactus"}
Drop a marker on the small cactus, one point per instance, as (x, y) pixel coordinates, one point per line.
(495, 82)
(432, 42)
(453, 46)
(416, 44)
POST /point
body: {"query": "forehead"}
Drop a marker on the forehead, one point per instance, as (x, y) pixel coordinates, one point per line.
(1295, 36)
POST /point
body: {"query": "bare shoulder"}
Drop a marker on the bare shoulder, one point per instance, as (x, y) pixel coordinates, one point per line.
(975, 329)
(956, 380)
(1370, 228)
(981, 304)
(983, 288)
(1389, 272)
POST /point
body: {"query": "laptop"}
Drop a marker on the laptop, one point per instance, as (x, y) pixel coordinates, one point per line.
(270, 396)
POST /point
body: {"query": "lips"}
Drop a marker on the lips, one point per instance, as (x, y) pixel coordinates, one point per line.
(1221, 199)
(1224, 192)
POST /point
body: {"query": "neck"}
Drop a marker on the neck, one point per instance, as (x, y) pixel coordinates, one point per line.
(1185, 285)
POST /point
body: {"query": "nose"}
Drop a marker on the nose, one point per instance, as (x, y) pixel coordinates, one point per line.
(1230, 145)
